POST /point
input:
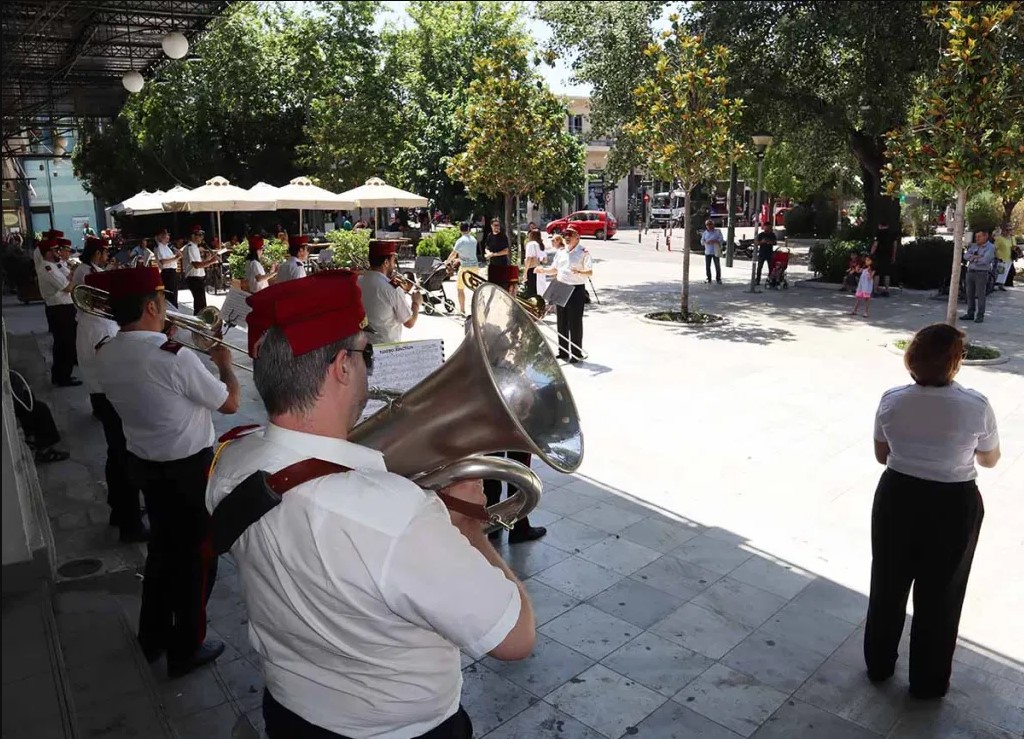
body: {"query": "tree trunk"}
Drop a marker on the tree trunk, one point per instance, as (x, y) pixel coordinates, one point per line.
(687, 241)
(958, 250)
(1008, 206)
(507, 223)
(870, 153)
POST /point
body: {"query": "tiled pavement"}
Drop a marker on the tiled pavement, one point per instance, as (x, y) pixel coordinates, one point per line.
(651, 624)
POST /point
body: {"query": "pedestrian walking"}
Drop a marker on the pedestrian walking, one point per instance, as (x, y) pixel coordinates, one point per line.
(712, 240)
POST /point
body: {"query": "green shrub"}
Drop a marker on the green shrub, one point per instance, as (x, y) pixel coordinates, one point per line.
(830, 259)
(799, 222)
(924, 264)
(917, 220)
(984, 210)
(349, 248)
(429, 246)
(274, 252)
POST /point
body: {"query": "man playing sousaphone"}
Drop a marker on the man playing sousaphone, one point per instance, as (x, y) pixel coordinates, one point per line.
(361, 587)
(388, 306)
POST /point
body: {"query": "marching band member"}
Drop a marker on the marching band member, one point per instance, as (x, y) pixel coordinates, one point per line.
(168, 259)
(195, 268)
(572, 266)
(55, 288)
(360, 586)
(293, 268)
(165, 396)
(388, 308)
(256, 278)
(94, 259)
(93, 332)
(508, 278)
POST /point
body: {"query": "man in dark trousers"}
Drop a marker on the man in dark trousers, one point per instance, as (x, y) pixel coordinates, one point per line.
(883, 254)
(766, 241)
(55, 287)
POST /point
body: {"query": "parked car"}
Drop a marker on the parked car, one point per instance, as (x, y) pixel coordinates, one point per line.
(597, 223)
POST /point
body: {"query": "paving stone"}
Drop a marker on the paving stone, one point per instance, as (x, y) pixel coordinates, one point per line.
(572, 536)
(550, 665)
(657, 663)
(606, 701)
(776, 662)
(192, 693)
(712, 554)
(244, 681)
(212, 722)
(673, 721)
(491, 700)
(564, 502)
(542, 721)
(636, 602)
(809, 628)
(579, 578)
(125, 720)
(942, 720)
(620, 555)
(701, 630)
(774, 576)
(845, 691)
(834, 599)
(740, 602)
(547, 601)
(798, 719)
(676, 577)
(730, 698)
(658, 533)
(607, 517)
(992, 698)
(530, 557)
(590, 631)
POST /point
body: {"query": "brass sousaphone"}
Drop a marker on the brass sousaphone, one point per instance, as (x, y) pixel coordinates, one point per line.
(502, 390)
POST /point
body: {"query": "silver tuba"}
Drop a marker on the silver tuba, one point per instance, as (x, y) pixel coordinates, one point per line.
(502, 390)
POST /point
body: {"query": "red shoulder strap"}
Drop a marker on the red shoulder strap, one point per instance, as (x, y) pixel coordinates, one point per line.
(238, 432)
(171, 346)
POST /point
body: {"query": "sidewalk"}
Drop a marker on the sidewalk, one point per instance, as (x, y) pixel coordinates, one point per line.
(704, 573)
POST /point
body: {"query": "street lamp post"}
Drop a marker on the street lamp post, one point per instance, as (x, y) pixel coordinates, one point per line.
(761, 143)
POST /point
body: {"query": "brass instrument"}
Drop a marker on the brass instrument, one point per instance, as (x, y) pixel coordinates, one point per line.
(206, 326)
(411, 286)
(531, 305)
(502, 390)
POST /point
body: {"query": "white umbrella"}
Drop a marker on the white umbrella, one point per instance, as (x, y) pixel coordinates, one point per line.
(217, 196)
(302, 194)
(378, 194)
(144, 203)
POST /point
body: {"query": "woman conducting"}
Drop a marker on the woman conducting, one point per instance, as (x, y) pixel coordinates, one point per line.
(927, 511)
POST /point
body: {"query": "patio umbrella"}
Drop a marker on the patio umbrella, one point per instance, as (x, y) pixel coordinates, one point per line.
(216, 196)
(144, 203)
(378, 194)
(302, 194)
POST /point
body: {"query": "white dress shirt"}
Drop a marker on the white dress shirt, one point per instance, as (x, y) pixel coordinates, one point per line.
(359, 590)
(163, 253)
(164, 399)
(253, 271)
(568, 259)
(387, 307)
(52, 282)
(933, 432)
(91, 331)
(192, 254)
(291, 269)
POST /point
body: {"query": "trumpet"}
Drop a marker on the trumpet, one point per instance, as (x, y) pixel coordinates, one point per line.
(206, 327)
(531, 305)
(411, 286)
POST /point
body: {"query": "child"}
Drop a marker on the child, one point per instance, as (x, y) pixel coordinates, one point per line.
(865, 286)
(852, 273)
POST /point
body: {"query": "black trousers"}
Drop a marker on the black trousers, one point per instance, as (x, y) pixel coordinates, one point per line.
(40, 430)
(122, 490)
(708, 259)
(63, 326)
(922, 533)
(492, 488)
(180, 565)
(531, 287)
(282, 723)
(169, 277)
(570, 324)
(763, 258)
(197, 286)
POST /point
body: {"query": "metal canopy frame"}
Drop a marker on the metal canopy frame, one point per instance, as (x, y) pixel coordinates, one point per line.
(65, 59)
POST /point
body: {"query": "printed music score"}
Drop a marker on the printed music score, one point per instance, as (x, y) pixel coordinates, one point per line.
(401, 366)
(235, 309)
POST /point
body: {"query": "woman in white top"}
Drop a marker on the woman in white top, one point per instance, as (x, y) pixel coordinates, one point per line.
(927, 511)
(256, 277)
(534, 258)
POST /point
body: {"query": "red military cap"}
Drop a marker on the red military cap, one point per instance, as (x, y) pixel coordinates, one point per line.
(314, 312)
(54, 234)
(95, 242)
(197, 229)
(381, 248)
(255, 241)
(502, 274)
(124, 283)
(63, 242)
(45, 245)
(100, 280)
(298, 240)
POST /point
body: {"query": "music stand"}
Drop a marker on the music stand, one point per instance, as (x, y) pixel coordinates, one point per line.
(558, 293)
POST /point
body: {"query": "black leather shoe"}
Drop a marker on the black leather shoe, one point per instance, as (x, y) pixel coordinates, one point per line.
(526, 533)
(563, 356)
(134, 534)
(70, 382)
(206, 654)
(152, 654)
(967, 317)
(928, 693)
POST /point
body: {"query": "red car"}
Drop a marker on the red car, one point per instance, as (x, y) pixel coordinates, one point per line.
(596, 223)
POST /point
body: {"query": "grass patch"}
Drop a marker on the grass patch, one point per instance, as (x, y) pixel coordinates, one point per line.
(693, 318)
(974, 351)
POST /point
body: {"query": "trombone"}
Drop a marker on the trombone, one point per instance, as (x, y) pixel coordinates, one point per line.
(530, 305)
(206, 326)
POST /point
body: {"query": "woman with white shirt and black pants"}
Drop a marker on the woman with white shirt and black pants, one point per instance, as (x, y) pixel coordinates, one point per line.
(927, 512)
(572, 266)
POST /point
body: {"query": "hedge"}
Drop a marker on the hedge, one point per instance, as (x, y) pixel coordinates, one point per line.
(924, 264)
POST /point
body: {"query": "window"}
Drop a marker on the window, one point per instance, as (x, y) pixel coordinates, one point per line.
(576, 125)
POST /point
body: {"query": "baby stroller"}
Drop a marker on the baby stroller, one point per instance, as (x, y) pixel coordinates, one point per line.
(777, 274)
(430, 275)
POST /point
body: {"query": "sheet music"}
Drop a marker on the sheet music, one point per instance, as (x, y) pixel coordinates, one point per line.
(402, 365)
(558, 293)
(235, 309)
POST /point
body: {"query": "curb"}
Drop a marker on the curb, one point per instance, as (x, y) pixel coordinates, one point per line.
(1001, 359)
(677, 324)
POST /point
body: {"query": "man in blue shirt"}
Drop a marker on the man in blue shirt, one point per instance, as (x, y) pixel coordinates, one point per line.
(712, 240)
(465, 253)
(980, 256)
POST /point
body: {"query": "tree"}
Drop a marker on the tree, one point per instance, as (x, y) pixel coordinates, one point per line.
(845, 67)
(964, 127)
(517, 141)
(686, 127)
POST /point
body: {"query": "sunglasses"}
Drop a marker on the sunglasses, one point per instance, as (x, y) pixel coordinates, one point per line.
(367, 352)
